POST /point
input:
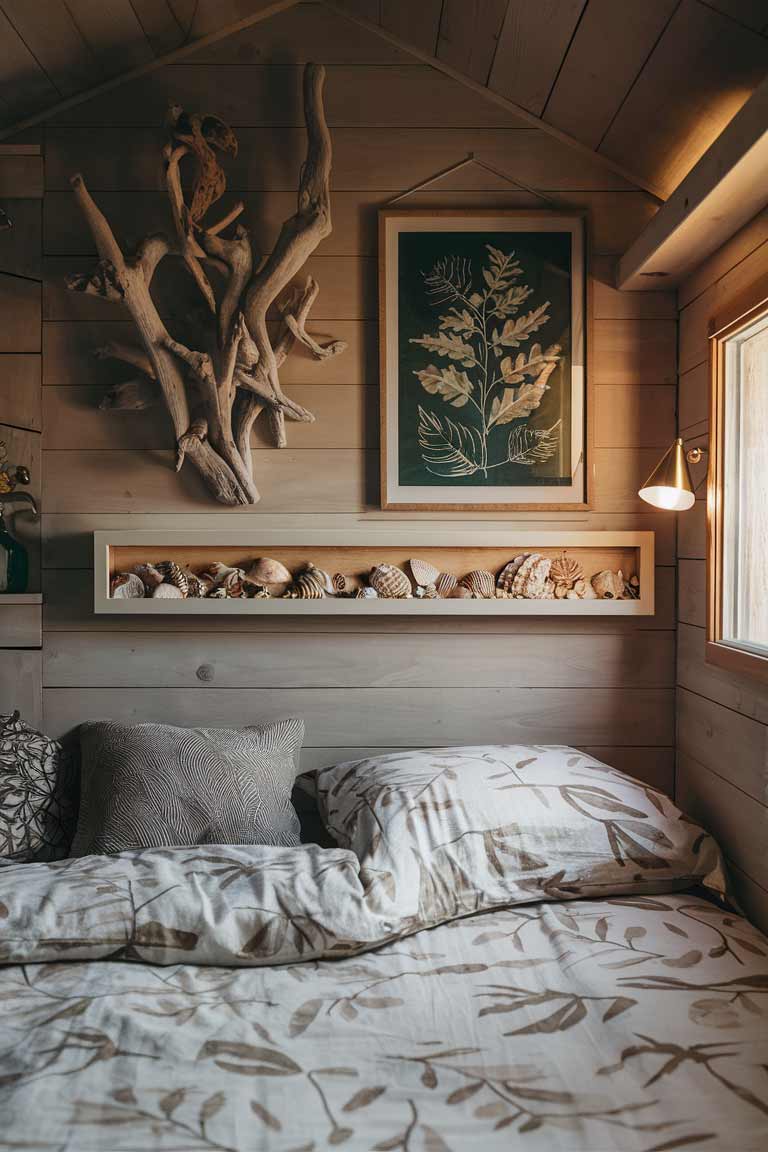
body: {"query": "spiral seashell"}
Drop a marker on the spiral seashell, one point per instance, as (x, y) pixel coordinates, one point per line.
(506, 577)
(423, 572)
(445, 584)
(167, 592)
(366, 594)
(608, 585)
(126, 586)
(531, 581)
(564, 570)
(307, 585)
(426, 592)
(172, 574)
(149, 576)
(197, 586)
(480, 584)
(390, 582)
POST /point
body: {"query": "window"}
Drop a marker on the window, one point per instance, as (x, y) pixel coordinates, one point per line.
(737, 631)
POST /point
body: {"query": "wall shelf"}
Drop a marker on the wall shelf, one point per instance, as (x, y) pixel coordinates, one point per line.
(21, 598)
(452, 549)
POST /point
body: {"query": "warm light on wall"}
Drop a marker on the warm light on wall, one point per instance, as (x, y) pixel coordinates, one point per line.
(670, 486)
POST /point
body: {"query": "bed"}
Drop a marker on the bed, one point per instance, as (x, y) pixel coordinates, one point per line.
(292, 999)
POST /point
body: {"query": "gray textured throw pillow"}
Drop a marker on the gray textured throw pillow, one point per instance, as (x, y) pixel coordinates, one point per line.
(36, 786)
(154, 785)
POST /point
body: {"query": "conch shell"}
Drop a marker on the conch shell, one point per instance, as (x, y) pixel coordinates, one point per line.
(480, 584)
(390, 582)
(608, 585)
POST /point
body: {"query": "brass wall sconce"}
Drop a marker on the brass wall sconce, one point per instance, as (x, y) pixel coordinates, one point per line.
(670, 486)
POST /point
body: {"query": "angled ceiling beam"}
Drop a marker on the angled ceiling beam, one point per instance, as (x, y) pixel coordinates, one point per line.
(725, 189)
(496, 98)
(151, 66)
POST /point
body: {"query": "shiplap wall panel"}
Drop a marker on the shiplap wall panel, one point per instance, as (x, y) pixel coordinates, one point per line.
(598, 683)
(722, 719)
(20, 392)
(533, 41)
(401, 717)
(469, 35)
(21, 683)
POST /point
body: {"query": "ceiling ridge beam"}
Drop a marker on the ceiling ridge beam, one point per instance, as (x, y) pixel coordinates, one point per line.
(172, 57)
(501, 101)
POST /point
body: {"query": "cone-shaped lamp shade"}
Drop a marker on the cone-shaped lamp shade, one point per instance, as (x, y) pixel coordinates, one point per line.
(669, 485)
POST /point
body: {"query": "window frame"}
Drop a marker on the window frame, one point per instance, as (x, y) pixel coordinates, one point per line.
(722, 329)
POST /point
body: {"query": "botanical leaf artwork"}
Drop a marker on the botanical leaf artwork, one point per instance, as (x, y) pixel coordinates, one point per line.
(487, 368)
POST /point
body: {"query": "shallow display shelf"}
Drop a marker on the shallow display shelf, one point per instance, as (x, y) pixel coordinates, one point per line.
(353, 552)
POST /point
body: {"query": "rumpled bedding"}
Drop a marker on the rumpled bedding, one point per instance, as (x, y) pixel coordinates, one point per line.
(272, 1006)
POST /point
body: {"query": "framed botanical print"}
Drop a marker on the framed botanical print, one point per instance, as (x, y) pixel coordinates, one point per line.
(483, 317)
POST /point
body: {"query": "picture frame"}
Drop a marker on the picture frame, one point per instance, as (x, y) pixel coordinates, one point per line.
(483, 344)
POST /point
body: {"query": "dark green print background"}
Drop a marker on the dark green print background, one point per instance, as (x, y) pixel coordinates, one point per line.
(546, 269)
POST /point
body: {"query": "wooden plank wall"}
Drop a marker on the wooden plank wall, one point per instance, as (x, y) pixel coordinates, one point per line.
(722, 719)
(606, 685)
(21, 189)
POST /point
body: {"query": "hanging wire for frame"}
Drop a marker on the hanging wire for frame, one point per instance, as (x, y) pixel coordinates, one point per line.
(470, 158)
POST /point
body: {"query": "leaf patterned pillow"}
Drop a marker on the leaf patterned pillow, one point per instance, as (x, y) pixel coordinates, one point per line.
(36, 795)
(451, 831)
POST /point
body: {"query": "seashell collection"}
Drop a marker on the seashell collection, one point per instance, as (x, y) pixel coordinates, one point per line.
(527, 576)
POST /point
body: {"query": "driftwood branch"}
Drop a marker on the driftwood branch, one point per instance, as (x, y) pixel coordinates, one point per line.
(216, 383)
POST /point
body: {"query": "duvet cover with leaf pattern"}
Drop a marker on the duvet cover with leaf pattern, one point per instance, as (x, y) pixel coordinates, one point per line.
(245, 999)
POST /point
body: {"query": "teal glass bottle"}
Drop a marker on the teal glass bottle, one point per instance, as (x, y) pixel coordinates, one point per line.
(14, 558)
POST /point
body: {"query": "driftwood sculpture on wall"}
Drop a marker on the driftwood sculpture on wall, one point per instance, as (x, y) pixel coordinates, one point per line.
(216, 384)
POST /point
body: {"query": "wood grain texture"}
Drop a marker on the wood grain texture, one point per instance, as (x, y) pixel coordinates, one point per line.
(399, 716)
(745, 241)
(55, 42)
(609, 49)
(692, 532)
(533, 41)
(699, 75)
(692, 592)
(746, 695)
(20, 402)
(727, 742)
(21, 309)
(469, 35)
(389, 158)
(20, 625)
(345, 417)
(113, 32)
(631, 351)
(376, 660)
(615, 220)
(21, 176)
(416, 24)
(26, 88)
(693, 400)
(725, 811)
(20, 245)
(20, 684)
(255, 95)
(634, 415)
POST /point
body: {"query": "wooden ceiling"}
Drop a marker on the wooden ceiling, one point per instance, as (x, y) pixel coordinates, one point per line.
(647, 84)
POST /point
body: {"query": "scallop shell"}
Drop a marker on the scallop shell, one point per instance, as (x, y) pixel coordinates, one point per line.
(167, 592)
(269, 573)
(608, 585)
(531, 580)
(423, 572)
(426, 592)
(322, 578)
(127, 586)
(566, 571)
(172, 574)
(507, 575)
(307, 585)
(445, 584)
(480, 584)
(390, 582)
(149, 576)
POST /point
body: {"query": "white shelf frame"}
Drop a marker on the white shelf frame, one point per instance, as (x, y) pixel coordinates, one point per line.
(417, 536)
